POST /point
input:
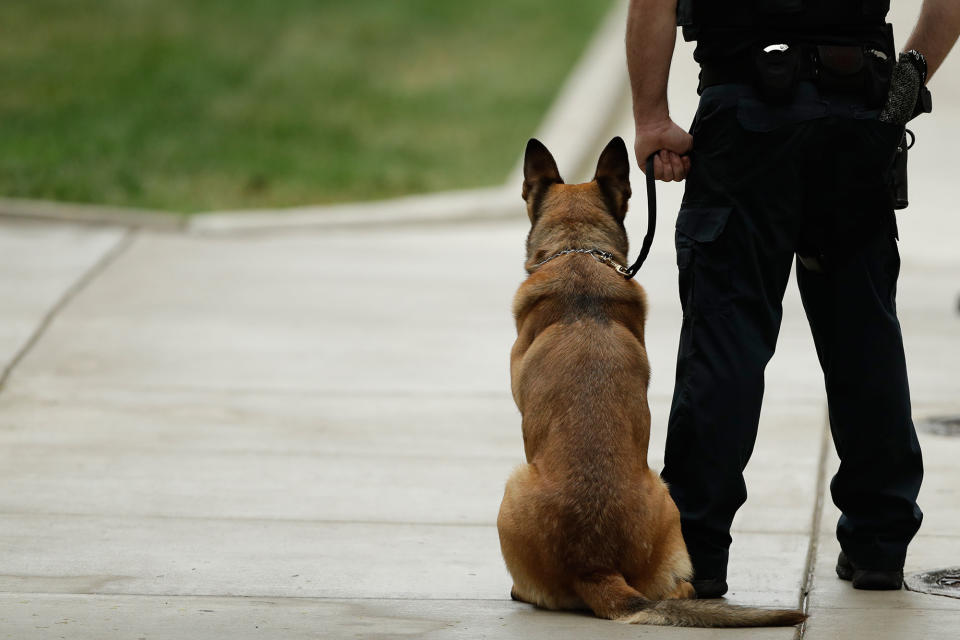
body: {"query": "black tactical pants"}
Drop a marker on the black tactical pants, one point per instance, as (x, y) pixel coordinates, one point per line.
(766, 183)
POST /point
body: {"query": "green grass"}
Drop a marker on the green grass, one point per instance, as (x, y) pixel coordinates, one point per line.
(190, 105)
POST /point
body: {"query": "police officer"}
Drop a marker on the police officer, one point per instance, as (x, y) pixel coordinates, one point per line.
(788, 155)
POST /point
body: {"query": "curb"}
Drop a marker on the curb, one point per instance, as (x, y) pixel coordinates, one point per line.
(93, 214)
(578, 117)
(446, 206)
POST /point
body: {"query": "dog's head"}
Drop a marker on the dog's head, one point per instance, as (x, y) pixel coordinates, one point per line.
(576, 216)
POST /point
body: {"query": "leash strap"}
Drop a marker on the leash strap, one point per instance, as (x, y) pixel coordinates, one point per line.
(651, 220)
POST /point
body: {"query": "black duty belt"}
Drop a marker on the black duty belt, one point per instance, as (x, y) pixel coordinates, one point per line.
(778, 66)
(742, 69)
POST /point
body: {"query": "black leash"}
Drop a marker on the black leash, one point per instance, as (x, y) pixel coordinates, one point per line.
(651, 220)
(607, 258)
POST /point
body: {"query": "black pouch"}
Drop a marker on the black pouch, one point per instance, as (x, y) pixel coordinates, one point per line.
(777, 70)
(840, 68)
(847, 69)
(877, 71)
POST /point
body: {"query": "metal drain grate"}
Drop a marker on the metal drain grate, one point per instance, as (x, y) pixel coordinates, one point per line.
(938, 582)
(941, 425)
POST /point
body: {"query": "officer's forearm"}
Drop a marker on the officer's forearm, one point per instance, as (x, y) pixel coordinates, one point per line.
(651, 34)
(937, 29)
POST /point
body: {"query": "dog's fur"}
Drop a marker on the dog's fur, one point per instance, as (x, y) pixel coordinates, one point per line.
(586, 524)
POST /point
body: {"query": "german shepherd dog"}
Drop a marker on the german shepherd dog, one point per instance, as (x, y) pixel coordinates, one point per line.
(586, 524)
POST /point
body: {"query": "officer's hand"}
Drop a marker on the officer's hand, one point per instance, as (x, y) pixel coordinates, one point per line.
(671, 141)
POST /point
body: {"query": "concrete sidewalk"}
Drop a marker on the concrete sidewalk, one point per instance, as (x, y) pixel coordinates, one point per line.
(307, 435)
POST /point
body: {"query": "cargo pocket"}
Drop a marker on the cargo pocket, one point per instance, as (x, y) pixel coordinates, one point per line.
(702, 260)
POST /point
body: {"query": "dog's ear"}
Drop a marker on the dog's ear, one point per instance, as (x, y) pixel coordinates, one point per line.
(539, 172)
(613, 177)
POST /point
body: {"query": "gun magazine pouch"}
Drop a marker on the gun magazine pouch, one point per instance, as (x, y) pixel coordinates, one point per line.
(848, 69)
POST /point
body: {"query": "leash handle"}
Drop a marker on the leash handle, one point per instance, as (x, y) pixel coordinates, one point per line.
(651, 220)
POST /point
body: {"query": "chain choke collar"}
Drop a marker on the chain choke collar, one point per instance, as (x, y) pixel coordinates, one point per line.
(603, 257)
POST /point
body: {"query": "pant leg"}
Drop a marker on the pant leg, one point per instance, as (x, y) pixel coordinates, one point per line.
(734, 252)
(726, 340)
(851, 309)
(852, 314)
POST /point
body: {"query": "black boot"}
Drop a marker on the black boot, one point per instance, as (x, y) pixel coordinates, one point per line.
(709, 588)
(872, 579)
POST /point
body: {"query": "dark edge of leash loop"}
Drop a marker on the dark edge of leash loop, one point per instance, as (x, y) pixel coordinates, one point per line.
(651, 220)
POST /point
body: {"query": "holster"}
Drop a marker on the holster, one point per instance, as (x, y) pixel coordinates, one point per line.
(898, 173)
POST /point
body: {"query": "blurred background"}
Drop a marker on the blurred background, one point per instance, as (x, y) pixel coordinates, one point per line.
(190, 105)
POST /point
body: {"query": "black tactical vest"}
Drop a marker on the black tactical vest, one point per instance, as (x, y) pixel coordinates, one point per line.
(720, 26)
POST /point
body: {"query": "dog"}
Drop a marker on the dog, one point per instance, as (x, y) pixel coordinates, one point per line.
(586, 524)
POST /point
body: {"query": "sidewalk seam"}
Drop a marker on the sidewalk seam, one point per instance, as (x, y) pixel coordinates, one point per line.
(72, 291)
(815, 522)
(243, 596)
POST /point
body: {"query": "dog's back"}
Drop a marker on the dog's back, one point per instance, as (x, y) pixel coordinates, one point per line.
(579, 376)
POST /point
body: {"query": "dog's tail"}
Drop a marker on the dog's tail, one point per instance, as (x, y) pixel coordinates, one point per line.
(611, 597)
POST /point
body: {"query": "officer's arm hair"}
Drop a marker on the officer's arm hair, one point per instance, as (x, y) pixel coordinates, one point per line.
(651, 34)
(937, 29)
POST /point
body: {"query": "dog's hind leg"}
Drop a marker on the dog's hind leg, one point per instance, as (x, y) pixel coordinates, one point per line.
(523, 541)
(609, 596)
(683, 591)
(516, 533)
(516, 596)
